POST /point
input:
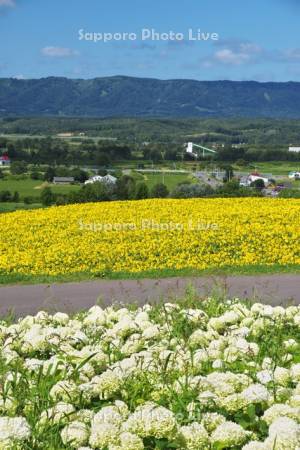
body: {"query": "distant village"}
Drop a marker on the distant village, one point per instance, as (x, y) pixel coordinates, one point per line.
(200, 173)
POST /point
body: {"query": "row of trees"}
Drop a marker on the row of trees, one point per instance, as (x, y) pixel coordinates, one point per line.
(21, 168)
(7, 196)
(58, 151)
(262, 131)
(105, 154)
(128, 189)
(248, 154)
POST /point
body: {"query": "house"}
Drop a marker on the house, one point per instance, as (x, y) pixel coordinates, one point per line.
(94, 179)
(4, 160)
(244, 182)
(294, 175)
(63, 180)
(107, 179)
(254, 176)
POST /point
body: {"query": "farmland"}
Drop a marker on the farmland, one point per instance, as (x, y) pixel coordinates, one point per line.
(170, 180)
(124, 146)
(188, 375)
(280, 168)
(132, 238)
(28, 187)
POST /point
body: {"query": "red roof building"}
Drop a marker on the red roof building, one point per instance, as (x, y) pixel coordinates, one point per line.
(4, 160)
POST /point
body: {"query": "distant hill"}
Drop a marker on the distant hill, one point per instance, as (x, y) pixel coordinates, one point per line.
(139, 97)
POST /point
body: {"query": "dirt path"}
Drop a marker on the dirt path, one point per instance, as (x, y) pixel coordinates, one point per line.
(70, 297)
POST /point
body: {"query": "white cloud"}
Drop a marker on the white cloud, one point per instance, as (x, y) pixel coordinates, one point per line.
(237, 52)
(58, 52)
(234, 53)
(228, 56)
(9, 3)
(291, 55)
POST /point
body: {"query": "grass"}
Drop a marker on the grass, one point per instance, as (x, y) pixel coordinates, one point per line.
(271, 167)
(25, 187)
(170, 180)
(11, 206)
(32, 188)
(29, 188)
(254, 270)
(276, 167)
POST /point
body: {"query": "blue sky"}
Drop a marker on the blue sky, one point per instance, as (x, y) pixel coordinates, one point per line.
(257, 40)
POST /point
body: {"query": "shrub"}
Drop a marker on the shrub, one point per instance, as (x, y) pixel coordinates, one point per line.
(35, 175)
(290, 193)
(47, 197)
(192, 191)
(160, 190)
(142, 191)
(5, 196)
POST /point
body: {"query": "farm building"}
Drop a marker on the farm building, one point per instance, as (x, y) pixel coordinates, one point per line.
(63, 180)
(65, 135)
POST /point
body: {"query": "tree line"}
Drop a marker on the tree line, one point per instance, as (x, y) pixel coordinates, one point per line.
(127, 188)
(105, 154)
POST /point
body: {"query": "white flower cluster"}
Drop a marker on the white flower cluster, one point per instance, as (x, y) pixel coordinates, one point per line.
(12, 430)
(216, 376)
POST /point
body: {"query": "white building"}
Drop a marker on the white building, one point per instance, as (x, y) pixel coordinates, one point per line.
(252, 178)
(244, 182)
(189, 148)
(107, 179)
(294, 175)
(248, 180)
(294, 149)
(110, 179)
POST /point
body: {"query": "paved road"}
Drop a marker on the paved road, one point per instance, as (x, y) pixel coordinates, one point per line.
(70, 297)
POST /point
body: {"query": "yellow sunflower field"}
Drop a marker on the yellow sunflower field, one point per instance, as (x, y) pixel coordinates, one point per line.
(131, 237)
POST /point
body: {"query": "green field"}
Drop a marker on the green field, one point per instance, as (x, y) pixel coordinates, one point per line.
(252, 270)
(33, 188)
(169, 179)
(28, 187)
(11, 206)
(275, 167)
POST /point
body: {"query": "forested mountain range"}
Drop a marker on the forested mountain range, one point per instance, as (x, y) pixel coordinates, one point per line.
(121, 96)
